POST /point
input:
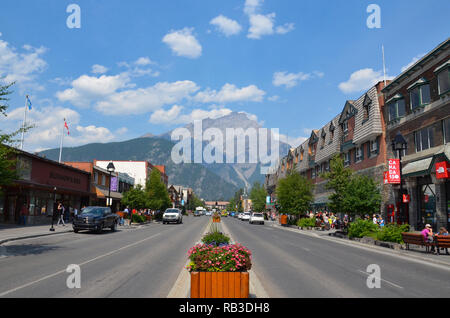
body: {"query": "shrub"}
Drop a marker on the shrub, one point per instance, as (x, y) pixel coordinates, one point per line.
(307, 222)
(216, 239)
(361, 228)
(230, 258)
(139, 218)
(392, 233)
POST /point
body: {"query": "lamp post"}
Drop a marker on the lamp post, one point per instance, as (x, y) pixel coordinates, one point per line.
(52, 229)
(110, 169)
(399, 145)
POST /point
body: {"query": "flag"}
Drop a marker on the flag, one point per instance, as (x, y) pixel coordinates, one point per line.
(28, 103)
(67, 127)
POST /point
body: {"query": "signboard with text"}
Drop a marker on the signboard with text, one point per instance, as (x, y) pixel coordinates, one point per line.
(393, 174)
(442, 170)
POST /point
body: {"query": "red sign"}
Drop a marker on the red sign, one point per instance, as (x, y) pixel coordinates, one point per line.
(385, 177)
(406, 198)
(393, 173)
(442, 170)
(426, 198)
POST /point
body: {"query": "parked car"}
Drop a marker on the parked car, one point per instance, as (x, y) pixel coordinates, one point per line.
(172, 216)
(197, 213)
(208, 213)
(256, 218)
(95, 218)
(239, 216)
(245, 216)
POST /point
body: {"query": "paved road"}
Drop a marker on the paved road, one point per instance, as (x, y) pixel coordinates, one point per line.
(295, 265)
(142, 262)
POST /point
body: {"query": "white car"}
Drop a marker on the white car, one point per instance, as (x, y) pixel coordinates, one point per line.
(172, 216)
(208, 213)
(256, 218)
(240, 214)
(246, 216)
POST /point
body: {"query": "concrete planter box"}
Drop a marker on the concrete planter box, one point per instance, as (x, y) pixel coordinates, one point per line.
(220, 285)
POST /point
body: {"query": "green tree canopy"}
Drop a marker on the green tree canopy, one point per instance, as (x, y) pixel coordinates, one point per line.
(157, 192)
(294, 194)
(136, 198)
(338, 179)
(258, 196)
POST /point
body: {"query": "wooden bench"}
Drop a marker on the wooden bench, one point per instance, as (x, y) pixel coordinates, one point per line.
(442, 241)
(416, 239)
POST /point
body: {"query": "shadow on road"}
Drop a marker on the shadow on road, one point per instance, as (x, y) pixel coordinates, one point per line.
(27, 249)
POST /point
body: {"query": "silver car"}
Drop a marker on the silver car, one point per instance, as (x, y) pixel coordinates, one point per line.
(172, 216)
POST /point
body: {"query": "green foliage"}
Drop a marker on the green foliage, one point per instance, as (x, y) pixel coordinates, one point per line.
(139, 218)
(229, 258)
(194, 203)
(158, 196)
(338, 179)
(392, 233)
(361, 228)
(258, 196)
(215, 238)
(295, 194)
(135, 198)
(362, 196)
(307, 222)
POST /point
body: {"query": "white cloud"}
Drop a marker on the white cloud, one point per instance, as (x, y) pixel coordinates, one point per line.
(21, 67)
(172, 116)
(231, 93)
(413, 61)
(48, 122)
(143, 61)
(142, 100)
(225, 25)
(261, 25)
(361, 80)
(290, 80)
(292, 141)
(286, 28)
(99, 69)
(251, 6)
(162, 116)
(183, 43)
(274, 98)
(87, 89)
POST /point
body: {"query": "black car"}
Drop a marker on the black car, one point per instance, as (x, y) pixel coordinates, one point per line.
(95, 218)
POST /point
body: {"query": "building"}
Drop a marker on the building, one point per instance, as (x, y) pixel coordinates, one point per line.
(175, 196)
(418, 107)
(41, 183)
(139, 170)
(219, 205)
(101, 185)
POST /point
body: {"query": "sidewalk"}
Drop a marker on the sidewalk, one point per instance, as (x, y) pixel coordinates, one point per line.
(416, 253)
(10, 232)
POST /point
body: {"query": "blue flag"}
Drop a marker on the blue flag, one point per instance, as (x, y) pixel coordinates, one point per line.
(29, 103)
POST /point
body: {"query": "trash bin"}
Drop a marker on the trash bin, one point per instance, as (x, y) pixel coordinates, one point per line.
(283, 220)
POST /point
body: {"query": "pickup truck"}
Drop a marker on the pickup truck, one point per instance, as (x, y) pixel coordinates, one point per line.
(95, 218)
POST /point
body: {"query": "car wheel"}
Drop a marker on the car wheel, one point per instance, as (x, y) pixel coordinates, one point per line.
(114, 227)
(76, 230)
(100, 228)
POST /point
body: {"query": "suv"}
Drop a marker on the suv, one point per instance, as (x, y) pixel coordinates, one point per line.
(245, 216)
(256, 218)
(172, 216)
(95, 218)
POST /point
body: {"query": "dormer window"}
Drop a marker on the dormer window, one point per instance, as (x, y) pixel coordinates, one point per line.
(419, 94)
(396, 106)
(301, 155)
(366, 105)
(345, 127)
(443, 75)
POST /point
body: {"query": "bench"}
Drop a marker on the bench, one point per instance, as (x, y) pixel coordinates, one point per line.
(416, 239)
(442, 241)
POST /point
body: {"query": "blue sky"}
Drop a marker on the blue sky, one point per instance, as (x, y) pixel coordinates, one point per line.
(137, 67)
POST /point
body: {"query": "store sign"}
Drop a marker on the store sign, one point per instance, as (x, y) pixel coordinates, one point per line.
(385, 177)
(426, 198)
(394, 171)
(268, 199)
(406, 198)
(442, 170)
(114, 184)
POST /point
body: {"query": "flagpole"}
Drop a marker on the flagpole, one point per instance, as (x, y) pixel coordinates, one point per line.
(23, 124)
(61, 144)
(384, 65)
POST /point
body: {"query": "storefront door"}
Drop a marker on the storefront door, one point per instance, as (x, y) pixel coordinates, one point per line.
(428, 205)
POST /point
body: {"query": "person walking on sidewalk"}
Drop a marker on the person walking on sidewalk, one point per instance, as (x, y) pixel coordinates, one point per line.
(23, 214)
(61, 214)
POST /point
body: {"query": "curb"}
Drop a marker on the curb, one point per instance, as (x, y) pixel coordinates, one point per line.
(32, 236)
(378, 248)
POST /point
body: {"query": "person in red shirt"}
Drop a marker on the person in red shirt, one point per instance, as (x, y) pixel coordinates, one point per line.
(23, 214)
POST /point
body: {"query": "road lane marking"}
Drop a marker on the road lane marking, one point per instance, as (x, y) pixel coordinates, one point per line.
(383, 280)
(84, 263)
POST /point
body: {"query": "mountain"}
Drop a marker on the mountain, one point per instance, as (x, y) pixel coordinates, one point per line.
(205, 183)
(239, 174)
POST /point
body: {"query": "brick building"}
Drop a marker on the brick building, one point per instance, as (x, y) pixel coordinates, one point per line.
(418, 106)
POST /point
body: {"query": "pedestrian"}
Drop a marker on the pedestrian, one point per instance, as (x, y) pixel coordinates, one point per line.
(427, 233)
(443, 231)
(380, 221)
(61, 211)
(23, 214)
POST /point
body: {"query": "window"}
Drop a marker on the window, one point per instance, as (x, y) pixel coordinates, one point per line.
(396, 109)
(424, 139)
(301, 155)
(359, 153)
(345, 127)
(103, 180)
(347, 159)
(446, 130)
(444, 81)
(95, 177)
(373, 147)
(420, 96)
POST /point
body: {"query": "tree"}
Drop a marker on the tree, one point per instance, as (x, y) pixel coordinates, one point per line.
(135, 198)
(294, 194)
(362, 196)
(338, 180)
(158, 195)
(194, 203)
(258, 196)
(8, 162)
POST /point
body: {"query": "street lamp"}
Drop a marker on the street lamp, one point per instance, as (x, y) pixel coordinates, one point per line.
(110, 169)
(399, 145)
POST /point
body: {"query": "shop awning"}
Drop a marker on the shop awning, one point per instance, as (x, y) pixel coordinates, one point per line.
(103, 193)
(417, 168)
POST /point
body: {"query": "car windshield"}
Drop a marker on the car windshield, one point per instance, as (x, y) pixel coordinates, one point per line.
(172, 211)
(257, 215)
(247, 213)
(92, 211)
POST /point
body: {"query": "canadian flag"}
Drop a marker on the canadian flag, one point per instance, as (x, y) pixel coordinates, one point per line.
(67, 126)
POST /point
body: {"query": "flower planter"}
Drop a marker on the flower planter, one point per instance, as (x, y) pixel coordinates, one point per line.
(220, 285)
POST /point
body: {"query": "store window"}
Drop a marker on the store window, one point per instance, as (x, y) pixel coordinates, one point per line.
(446, 130)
